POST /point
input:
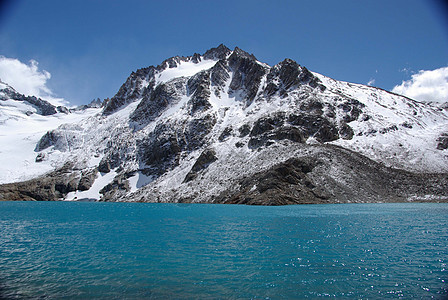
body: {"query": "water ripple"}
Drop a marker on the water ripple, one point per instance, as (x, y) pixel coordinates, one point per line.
(133, 251)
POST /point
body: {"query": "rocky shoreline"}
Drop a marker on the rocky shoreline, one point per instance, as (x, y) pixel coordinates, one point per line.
(306, 180)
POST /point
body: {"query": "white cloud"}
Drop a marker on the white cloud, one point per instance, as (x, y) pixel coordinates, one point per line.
(27, 79)
(371, 81)
(429, 85)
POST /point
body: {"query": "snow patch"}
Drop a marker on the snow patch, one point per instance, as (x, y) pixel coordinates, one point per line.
(20, 131)
(94, 192)
(185, 69)
(139, 180)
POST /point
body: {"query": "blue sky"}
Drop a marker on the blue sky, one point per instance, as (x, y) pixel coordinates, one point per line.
(91, 47)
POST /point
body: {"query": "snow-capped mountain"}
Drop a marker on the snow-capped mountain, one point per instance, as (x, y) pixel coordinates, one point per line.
(23, 121)
(223, 127)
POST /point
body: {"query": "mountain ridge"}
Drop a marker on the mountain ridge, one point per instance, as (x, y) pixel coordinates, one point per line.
(222, 127)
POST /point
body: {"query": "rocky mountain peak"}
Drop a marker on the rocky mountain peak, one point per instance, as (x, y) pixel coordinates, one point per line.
(42, 107)
(242, 54)
(220, 52)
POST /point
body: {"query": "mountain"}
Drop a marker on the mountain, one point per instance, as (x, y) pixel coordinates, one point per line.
(223, 127)
(23, 121)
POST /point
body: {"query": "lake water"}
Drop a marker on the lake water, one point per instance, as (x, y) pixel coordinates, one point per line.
(133, 251)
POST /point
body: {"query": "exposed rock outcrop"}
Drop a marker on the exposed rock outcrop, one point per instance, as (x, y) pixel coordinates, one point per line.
(43, 107)
(442, 142)
(312, 179)
(53, 186)
(207, 157)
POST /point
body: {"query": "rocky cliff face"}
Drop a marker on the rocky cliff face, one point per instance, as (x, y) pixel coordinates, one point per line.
(223, 127)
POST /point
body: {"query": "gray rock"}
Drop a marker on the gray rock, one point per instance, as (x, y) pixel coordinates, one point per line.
(244, 130)
(266, 124)
(154, 102)
(316, 126)
(352, 109)
(225, 134)
(49, 139)
(345, 131)
(199, 89)
(43, 107)
(40, 157)
(196, 58)
(104, 166)
(131, 90)
(247, 73)
(87, 179)
(119, 186)
(443, 141)
(207, 157)
(63, 109)
(161, 150)
(310, 179)
(287, 75)
(217, 53)
(63, 139)
(219, 74)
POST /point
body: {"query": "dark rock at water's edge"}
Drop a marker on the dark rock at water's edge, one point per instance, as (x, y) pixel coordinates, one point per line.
(335, 175)
(51, 187)
(330, 174)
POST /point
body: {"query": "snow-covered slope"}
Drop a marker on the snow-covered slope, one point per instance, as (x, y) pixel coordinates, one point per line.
(21, 127)
(399, 131)
(223, 127)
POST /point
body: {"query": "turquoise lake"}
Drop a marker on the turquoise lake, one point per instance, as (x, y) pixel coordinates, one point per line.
(75, 250)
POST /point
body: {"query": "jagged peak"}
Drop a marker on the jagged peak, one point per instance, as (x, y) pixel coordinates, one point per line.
(288, 61)
(43, 107)
(171, 62)
(219, 52)
(241, 53)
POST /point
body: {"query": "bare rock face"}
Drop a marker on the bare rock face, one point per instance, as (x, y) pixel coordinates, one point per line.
(352, 109)
(219, 74)
(288, 74)
(285, 183)
(87, 179)
(154, 102)
(160, 152)
(217, 53)
(274, 128)
(309, 180)
(443, 142)
(49, 139)
(104, 166)
(130, 91)
(119, 186)
(207, 157)
(316, 126)
(53, 186)
(199, 89)
(247, 73)
(63, 138)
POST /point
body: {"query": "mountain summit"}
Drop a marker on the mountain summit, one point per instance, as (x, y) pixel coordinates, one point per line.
(223, 127)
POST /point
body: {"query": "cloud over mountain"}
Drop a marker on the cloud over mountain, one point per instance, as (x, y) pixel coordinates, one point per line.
(28, 79)
(426, 85)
